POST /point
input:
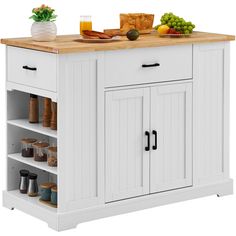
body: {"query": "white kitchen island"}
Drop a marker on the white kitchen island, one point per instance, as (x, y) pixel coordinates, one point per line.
(140, 124)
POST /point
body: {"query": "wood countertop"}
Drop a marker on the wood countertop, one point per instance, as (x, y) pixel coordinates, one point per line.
(67, 44)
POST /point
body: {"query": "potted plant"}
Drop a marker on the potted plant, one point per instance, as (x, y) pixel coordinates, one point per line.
(43, 28)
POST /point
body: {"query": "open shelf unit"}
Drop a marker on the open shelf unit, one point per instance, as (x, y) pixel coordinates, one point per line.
(18, 127)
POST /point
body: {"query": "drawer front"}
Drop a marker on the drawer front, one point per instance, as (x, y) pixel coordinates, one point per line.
(148, 65)
(32, 68)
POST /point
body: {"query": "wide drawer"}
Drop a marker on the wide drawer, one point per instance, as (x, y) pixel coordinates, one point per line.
(32, 68)
(148, 65)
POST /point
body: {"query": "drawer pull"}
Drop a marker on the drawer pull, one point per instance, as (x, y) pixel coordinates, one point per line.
(147, 148)
(29, 68)
(150, 65)
(154, 147)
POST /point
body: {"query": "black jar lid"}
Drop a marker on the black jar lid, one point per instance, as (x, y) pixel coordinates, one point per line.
(24, 173)
(32, 176)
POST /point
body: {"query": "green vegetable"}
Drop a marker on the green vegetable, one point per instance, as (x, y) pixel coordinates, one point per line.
(132, 34)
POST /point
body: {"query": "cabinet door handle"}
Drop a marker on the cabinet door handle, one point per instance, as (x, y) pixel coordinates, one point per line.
(29, 68)
(147, 148)
(150, 65)
(154, 147)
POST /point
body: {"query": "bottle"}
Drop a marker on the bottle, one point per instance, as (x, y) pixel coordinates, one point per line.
(33, 109)
(33, 185)
(47, 112)
(54, 116)
(23, 186)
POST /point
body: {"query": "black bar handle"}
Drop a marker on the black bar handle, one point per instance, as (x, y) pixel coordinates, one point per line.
(150, 65)
(154, 147)
(147, 148)
(29, 68)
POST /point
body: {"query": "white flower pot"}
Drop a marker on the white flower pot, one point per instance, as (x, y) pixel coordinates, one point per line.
(44, 31)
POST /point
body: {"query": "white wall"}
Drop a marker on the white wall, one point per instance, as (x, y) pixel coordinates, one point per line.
(207, 216)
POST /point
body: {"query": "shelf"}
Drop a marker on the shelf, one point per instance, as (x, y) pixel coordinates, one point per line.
(24, 123)
(24, 201)
(31, 162)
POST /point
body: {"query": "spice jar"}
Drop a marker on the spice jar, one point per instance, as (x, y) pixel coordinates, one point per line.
(52, 156)
(27, 149)
(54, 195)
(33, 185)
(46, 191)
(40, 151)
(23, 185)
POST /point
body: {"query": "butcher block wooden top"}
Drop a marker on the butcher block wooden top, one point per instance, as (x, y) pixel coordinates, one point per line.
(67, 44)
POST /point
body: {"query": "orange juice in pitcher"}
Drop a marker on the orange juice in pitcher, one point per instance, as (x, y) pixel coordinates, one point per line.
(85, 23)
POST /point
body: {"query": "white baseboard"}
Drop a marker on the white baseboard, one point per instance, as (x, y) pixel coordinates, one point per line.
(68, 220)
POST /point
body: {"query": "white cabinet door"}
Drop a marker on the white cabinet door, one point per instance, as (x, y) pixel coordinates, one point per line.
(211, 112)
(127, 162)
(171, 154)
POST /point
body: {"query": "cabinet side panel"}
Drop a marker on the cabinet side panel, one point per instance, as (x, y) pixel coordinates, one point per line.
(210, 112)
(79, 159)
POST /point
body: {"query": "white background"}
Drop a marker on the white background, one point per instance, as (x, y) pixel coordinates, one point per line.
(206, 216)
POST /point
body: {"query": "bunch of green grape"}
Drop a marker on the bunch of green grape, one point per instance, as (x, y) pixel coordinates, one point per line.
(179, 24)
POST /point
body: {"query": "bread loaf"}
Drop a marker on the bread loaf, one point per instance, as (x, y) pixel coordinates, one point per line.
(140, 21)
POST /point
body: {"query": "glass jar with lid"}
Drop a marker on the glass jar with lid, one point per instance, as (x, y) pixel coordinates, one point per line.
(40, 151)
(52, 156)
(45, 191)
(54, 195)
(27, 149)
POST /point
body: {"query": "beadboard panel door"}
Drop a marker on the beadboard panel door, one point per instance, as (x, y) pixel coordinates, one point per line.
(127, 162)
(171, 118)
(211, 112)
(81, 131)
